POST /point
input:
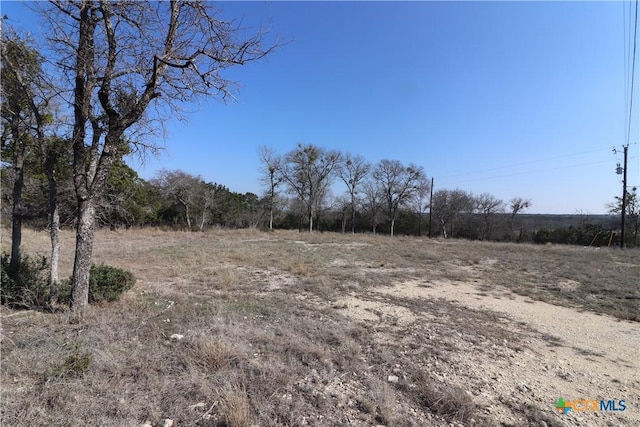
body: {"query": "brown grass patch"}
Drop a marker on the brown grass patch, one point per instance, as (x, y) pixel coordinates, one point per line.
(235, 405)
(227, 278)
(212, 354)
(299, 268)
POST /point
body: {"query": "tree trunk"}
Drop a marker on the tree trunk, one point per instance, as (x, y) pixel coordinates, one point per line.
(393, 213)
(271, 216)
(353, 214)
(203, 217)
(271, 206)
(188, 216)
(344, 222)
(84, 249)
(54, 233)
(17, 208)
(16, 212)
(49, 159)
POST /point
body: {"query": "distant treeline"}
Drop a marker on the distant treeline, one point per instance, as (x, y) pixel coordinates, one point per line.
(178, 200)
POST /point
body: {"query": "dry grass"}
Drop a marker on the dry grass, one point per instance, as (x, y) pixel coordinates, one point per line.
(299, 268)
(266, 337)
(235, 406)
(228, 278)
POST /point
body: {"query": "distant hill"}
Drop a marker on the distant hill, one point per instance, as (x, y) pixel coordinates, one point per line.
(548, 221)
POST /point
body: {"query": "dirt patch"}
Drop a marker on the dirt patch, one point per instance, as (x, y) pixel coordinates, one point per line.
(579, 355)
(359, 308)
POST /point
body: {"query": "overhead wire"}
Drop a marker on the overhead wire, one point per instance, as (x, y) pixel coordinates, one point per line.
(526, 172)
(633, 68)
(626, 31)
(512, 165)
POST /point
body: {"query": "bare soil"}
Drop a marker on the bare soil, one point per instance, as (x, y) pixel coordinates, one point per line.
(317, 329)
(564, 352)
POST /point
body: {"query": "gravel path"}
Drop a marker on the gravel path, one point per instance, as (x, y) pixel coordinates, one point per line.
(576, 355)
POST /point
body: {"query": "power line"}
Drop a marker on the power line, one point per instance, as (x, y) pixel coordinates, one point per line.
(626, 33)
(528, 162)
(633, 72)
(528, 172)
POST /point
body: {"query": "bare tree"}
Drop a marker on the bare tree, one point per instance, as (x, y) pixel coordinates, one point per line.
(207, 198)
(323, 201)
(372, 203)
(450, 207)
(342, 206)
(488, 205)
(270, 176)
(517, 205)
(121, 58)
(308, 170)
(186, 190)
(398, 184)
(353, 171)
(419, 200)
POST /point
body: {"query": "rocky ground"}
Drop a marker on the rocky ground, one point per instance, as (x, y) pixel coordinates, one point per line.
(563, 353)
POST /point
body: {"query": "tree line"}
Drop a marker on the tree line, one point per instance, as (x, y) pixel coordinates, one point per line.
(173, 199)
(376, 197)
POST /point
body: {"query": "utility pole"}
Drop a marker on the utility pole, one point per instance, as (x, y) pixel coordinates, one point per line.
(430, 206)
(623, 171)
(624, 194)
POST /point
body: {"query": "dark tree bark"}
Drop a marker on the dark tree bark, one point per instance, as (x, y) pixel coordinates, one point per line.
(17, 208)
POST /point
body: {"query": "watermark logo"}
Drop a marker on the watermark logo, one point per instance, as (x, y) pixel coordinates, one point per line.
(590, 405)
(562, 406)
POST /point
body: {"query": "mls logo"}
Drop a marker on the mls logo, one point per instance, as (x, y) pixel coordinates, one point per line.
(590, 405)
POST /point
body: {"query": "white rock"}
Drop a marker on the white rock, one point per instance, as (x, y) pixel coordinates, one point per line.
(176, 337)
(168, 422)
(392, 379)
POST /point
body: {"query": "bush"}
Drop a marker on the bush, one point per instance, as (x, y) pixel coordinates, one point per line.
(26, 286)
(107, 283)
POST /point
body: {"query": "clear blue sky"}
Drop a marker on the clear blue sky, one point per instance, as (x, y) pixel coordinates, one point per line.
(511, 98)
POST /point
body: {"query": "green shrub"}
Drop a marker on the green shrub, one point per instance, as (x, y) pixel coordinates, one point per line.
(24, 287)
(107, 283)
